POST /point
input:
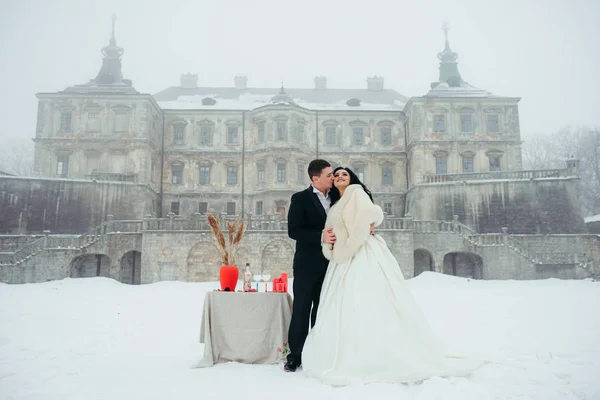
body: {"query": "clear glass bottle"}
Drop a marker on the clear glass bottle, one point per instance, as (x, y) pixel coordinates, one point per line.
(247, 278)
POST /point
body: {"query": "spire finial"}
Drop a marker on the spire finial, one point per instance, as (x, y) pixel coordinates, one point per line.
(446, 28)
(114, 19)
(282, 89)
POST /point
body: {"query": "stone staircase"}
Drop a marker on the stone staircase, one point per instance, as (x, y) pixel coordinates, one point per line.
(65, 242)
(474, 240)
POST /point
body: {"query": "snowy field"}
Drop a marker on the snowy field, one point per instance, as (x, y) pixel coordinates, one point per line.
(94, 338)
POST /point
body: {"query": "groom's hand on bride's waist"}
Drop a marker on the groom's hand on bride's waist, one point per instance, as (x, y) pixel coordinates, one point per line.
(328, 236)
(372, 228)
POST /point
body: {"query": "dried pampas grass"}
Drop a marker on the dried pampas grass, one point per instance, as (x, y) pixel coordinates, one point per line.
(235, 233)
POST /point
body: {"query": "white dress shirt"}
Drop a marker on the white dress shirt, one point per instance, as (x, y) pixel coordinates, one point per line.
(324, 199)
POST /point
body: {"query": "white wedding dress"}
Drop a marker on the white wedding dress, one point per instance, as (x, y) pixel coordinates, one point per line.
(369, 327)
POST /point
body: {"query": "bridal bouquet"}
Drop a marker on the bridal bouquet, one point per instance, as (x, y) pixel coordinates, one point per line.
(235, 233)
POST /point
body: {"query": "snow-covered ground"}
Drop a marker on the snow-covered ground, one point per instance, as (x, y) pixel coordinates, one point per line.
(94, 338)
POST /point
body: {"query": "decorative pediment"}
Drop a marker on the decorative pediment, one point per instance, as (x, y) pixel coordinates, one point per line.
(93, 153)
(440, 110)
(92, 106)
(493, 110)
(280, 118)
(331, 122)
(466, 110)
(467, 153)
(440, 154)
(494, 153)
(179, 121)
(63, 152)
(357, 122)
(385, 123)
(122, 108)
(233, 122)
(205, 122)
(206, 163)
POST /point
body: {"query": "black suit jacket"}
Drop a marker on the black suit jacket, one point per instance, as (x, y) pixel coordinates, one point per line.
(306, 220)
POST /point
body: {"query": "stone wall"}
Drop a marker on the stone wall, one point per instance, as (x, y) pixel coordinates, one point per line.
(524, 206)
(32, 205)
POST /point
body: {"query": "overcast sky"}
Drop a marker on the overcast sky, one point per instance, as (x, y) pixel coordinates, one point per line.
(544, 51)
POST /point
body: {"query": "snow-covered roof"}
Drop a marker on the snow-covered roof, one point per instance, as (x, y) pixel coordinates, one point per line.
(593, 218)
(177, 98)
(443, 89)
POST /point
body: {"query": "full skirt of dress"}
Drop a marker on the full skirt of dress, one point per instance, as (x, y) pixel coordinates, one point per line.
(370, 328)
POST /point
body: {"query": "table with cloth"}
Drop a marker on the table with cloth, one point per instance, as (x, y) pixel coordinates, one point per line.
(246, 327)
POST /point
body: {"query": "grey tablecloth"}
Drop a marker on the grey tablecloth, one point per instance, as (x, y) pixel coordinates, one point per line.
(250, 328)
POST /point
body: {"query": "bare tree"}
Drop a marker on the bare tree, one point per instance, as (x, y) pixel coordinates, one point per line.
(16, 157)
(581, 143)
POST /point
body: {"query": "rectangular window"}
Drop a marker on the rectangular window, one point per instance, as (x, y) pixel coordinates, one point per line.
(65, 121)
(203, 207)
(387, 208)
(175, 207)
(386, 136)
(261, 132)
(281, 173)
(230, 208)
(300, 134)
(206, 137)
(359, 170)
(259, 207)
(301, 173)
(493, 123)
(93, 121)
(178, 134)
(439, 123)
(330, 135)
(232, 175)
(122, 122)
(62, 165)
(232, 135)
(261, 174)
(467, 164)
(466, 123)
(280, 134)
(204, 175)
(177, 174)
(386, 176)
(441, 165)
(358, 134)
(495, 164)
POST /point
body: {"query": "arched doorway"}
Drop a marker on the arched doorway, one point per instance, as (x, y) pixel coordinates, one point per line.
(466, 265)
(90, 265)
(277, 257)
(204, 262)
(423, 262)
(131, 270)
(280, 209)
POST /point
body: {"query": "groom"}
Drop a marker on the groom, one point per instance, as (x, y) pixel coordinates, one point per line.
(306, 220)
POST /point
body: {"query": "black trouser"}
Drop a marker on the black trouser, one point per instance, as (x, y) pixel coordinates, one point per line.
(307, 290)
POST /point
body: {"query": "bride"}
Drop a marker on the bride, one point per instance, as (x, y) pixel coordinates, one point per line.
(369, 327)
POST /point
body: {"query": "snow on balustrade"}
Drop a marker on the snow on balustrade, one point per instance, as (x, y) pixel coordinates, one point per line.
(480, 176)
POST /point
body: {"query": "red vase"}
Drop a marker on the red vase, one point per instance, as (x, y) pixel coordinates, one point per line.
(228, 276)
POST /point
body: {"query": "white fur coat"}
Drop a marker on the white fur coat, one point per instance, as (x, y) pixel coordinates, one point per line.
(350, 219)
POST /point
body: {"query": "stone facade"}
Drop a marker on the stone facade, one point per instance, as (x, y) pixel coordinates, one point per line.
(34, 205)
(445, 167)
(175, 249)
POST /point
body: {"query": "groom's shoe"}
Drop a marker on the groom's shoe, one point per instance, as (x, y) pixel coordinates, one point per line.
(291, 366)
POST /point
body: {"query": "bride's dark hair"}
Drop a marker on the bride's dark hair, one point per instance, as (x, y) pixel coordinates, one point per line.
(334, 193)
